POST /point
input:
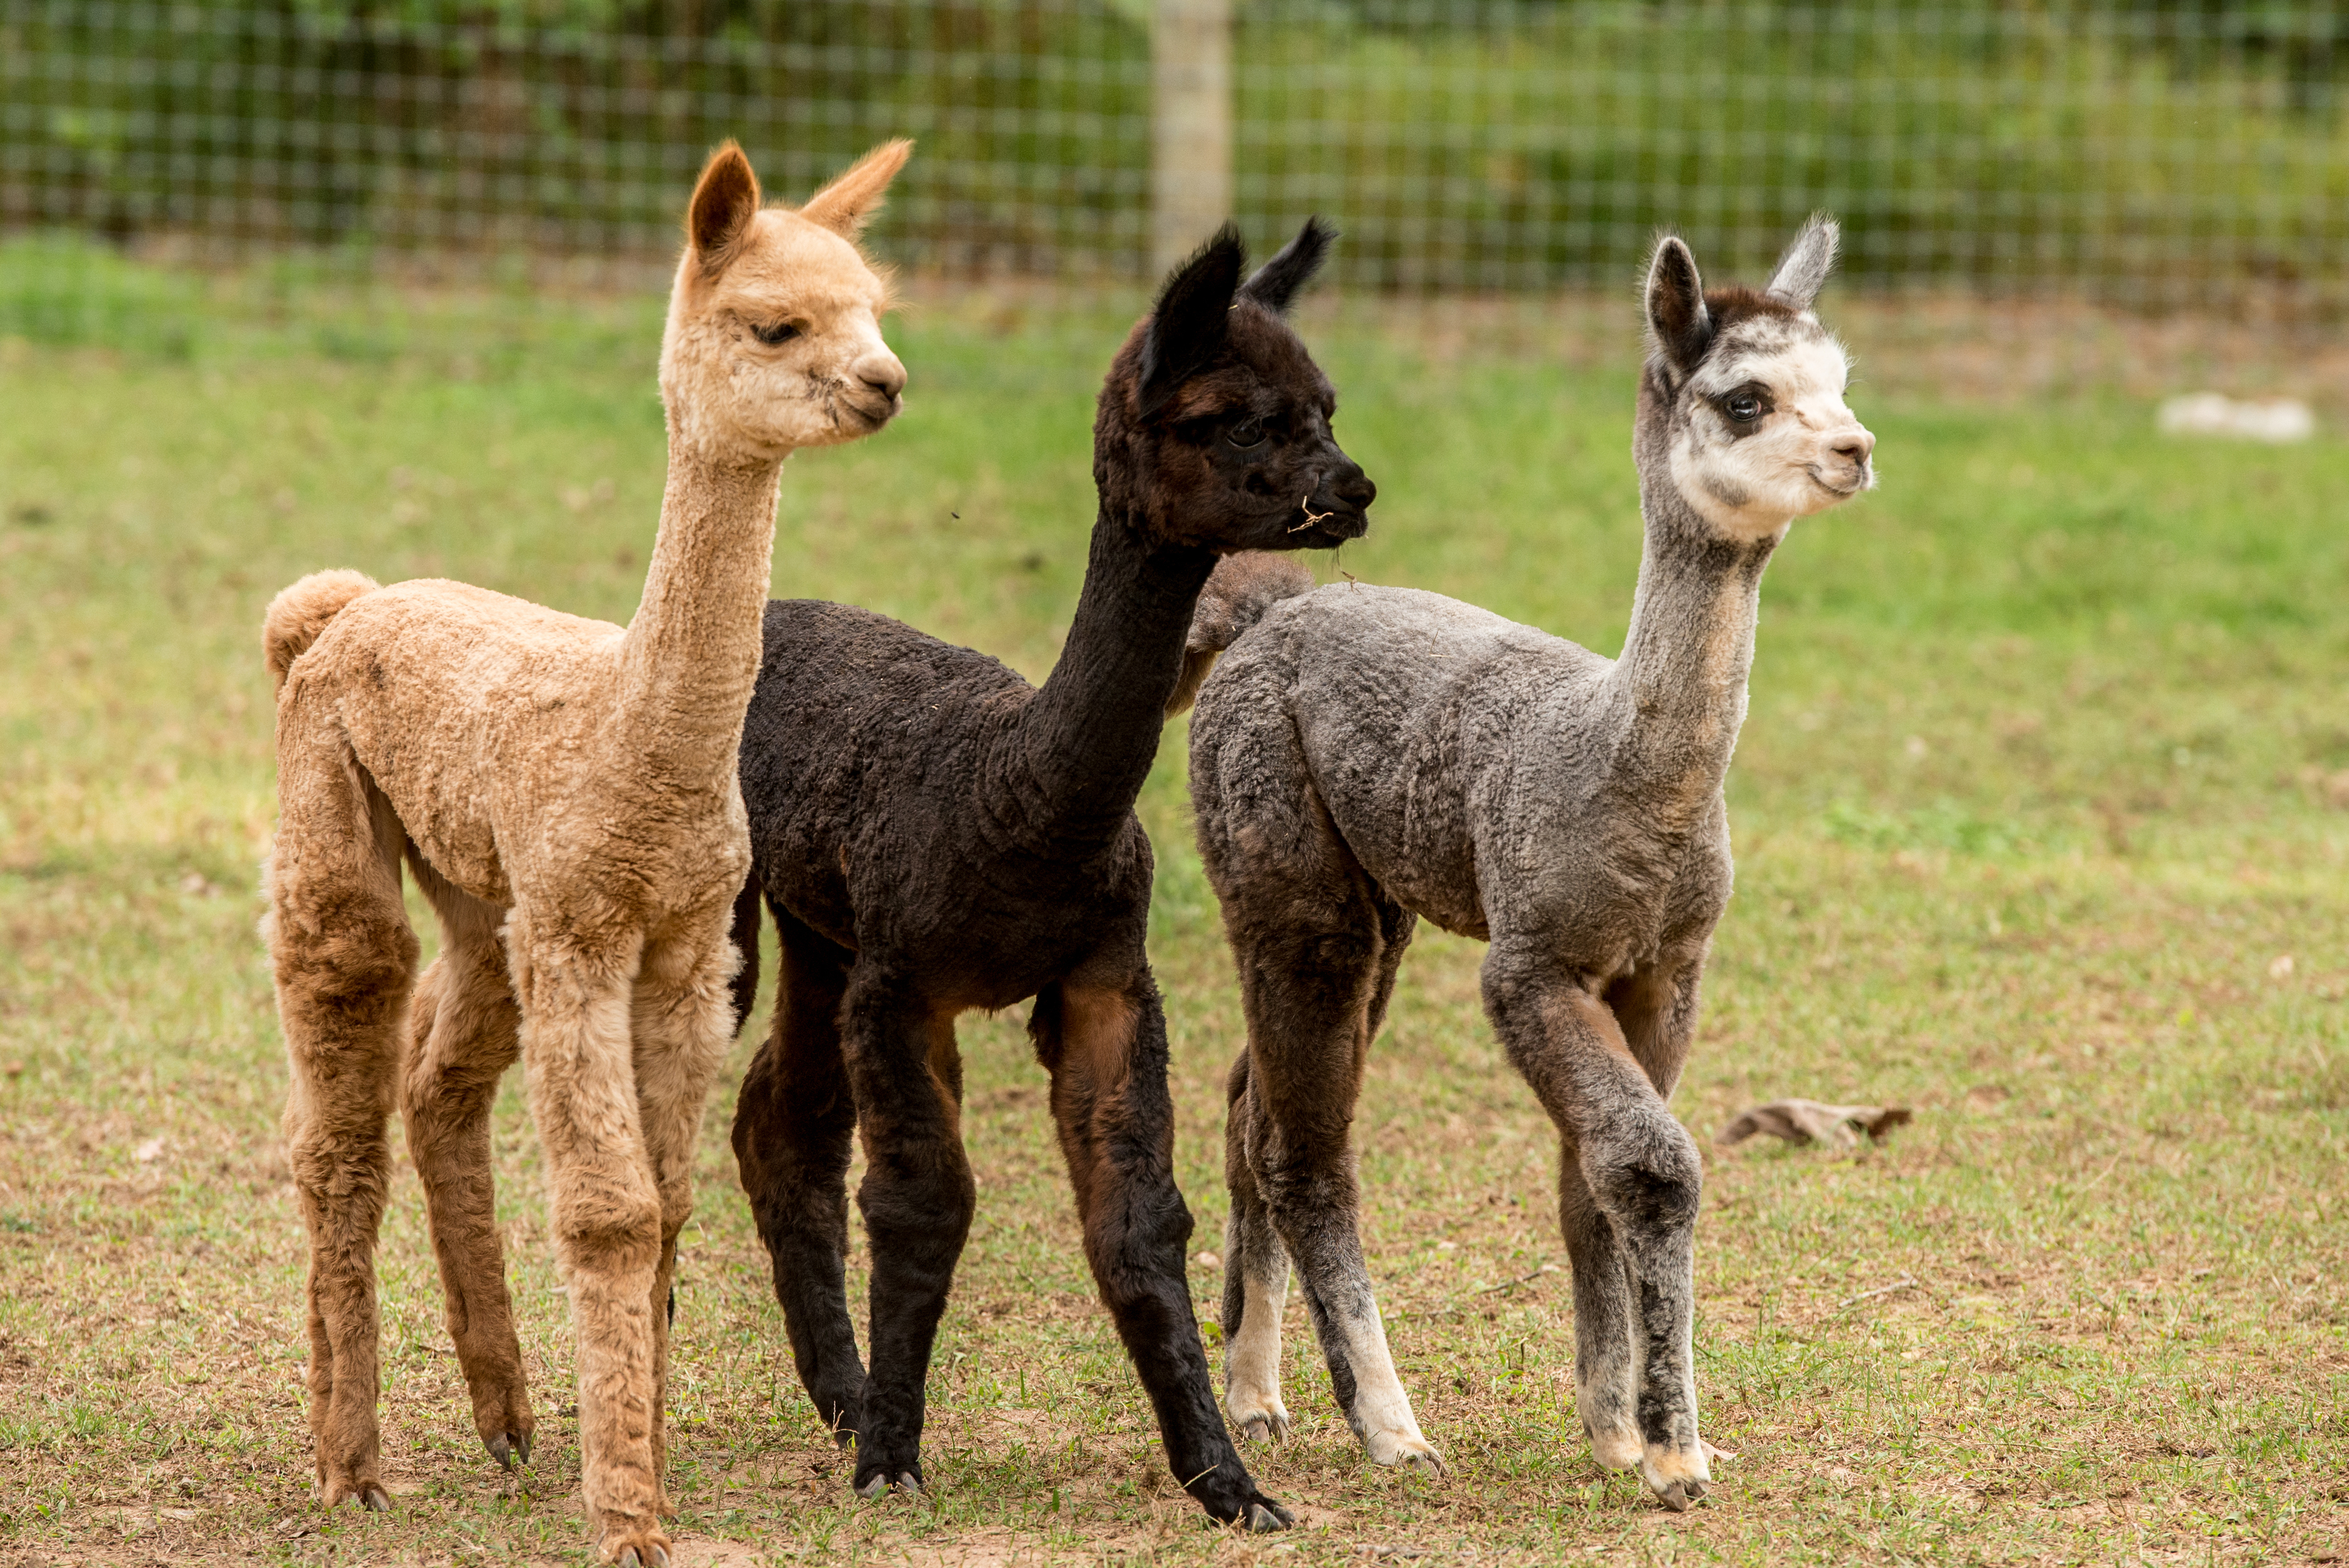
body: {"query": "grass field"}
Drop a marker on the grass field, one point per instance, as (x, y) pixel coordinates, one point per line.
(2043, 810)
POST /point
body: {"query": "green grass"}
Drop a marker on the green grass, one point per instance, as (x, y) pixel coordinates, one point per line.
(2040, 786)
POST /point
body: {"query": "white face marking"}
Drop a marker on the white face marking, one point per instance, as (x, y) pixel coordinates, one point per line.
(1805, 453)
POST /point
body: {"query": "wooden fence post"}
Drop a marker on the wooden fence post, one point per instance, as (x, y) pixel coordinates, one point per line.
(1191, 125)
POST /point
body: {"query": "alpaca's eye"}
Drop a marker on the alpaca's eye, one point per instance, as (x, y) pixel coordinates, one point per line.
(1246, 434)
(1743, 407)
(782, 332)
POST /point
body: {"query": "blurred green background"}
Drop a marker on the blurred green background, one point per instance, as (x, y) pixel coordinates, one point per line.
(2154, 152)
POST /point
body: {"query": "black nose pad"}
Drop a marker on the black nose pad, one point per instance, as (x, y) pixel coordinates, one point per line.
(1354, 488)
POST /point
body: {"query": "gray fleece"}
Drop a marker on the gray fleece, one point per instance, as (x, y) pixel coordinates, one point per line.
(1366, 756)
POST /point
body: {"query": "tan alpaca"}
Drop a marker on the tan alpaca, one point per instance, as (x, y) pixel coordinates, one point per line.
(565, 792)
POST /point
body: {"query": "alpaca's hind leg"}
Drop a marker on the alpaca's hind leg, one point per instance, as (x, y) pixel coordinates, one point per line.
(1396, 925)
(1255, 1283)
(684, 1023)
(1642, 1177)
(1105, 1047)
(576, 1004)
(463, 1036)
(793, 1124)
(344, 961)
(1309, 995)
(917, 1198)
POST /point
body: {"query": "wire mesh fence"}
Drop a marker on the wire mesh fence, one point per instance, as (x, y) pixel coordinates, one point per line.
(2153, 154)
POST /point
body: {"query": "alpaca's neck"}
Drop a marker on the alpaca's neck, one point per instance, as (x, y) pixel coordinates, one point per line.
(1087, 740)
(691, 656)
(1681, 676)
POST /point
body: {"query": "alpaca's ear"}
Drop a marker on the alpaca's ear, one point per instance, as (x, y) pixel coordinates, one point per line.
(1804, 269)
(848, 203)
(1188, 323)
(1676, 310)
(1278, 282)
(725, 199)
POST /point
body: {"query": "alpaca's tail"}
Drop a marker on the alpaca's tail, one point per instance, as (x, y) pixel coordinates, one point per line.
(1245, 584)
(297, 615)
(746, 942)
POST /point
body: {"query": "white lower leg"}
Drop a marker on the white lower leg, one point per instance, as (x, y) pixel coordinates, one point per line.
(1614, 1438)
(1381, 1415)
(1252, 1361)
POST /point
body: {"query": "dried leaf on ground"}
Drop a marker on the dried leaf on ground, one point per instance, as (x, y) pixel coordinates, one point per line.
(1809, 1121)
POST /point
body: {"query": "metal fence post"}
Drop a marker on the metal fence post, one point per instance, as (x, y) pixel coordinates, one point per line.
(1191, 125)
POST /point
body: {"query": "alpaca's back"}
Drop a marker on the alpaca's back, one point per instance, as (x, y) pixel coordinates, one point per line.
(422, 679)
(1403, 715)
(868, 739)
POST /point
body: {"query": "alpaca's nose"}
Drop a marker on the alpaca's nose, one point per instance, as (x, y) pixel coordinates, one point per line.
(1855, 446)
(882, 372)
(1355, 488)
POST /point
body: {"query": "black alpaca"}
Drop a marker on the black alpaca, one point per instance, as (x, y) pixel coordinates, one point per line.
(934, 835)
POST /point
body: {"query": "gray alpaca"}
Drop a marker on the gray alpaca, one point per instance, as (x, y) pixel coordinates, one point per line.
(1365, 757)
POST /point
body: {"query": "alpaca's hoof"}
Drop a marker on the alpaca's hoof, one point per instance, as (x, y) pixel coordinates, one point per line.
(1260, 1421)
(1678, 1478)
(1260, 1429)
(1424, 1457)
(638, 1549)
(1405, 1451)
(1679, 1496)
(906, 1481)
(1266, 1517)
(875, 1488)
(368, 1494)
(509, 1449)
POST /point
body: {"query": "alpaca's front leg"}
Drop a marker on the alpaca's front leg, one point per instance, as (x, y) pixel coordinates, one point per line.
(1656, 1009)
(1643, 1177)
(684, 1020)
(1651, 1188)
(1606, 1351)
(607, 1219)
(464, 1035)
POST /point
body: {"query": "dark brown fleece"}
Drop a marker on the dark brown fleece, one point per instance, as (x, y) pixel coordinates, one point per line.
(933, 835)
